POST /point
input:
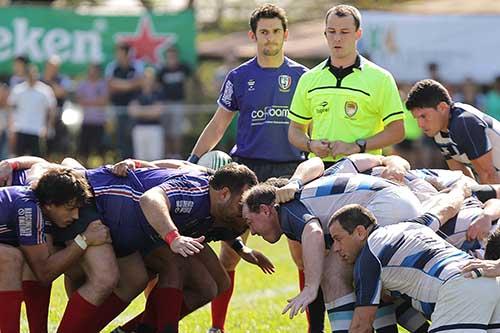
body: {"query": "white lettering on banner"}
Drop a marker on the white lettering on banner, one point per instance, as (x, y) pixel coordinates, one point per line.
(39, 44)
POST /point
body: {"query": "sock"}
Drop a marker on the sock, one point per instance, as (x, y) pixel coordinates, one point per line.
(36, 298)
(10, 311)
(317, 314)
(169, 303)
(132, 324)
(385, 319)
(77, 316)
(220, 305)
(411, 319)
(149, 316)
(340, 313)
(108, 311)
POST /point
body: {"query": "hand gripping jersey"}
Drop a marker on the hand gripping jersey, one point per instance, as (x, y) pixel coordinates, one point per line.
(408, 260)
(321, 198)
(21, 219)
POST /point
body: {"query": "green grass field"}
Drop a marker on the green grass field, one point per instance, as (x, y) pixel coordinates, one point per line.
(255, 307)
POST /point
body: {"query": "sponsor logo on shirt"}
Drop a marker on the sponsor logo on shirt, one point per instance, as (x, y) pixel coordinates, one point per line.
(183, 206)
(251, 85)
(285, 82)
(25, 217)
(227, 96)
(350, 108)
(322, 108)
(270, 114)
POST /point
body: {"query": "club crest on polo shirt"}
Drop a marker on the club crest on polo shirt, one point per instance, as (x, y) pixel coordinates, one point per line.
(350, 108)
(251, 85)
(285, 82)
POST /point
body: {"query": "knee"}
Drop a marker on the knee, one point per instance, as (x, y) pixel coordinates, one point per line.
(104, 281)
(228, 258)
(223, 285)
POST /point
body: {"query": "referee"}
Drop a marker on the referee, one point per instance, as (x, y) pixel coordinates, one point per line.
(352, 104)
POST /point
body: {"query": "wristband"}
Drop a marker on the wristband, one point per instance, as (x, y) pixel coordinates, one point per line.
(137, 164)
(171, 236)
(309, 141)
(14, 165)
(81, 241)
(298, 181)
(193, 159)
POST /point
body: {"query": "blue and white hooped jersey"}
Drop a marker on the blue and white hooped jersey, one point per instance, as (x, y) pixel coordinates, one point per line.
(471, 134)
(263, 97)
(325, 195)
(409, 260)
(21, 219)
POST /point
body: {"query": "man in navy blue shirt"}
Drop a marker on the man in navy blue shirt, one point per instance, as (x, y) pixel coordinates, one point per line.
(261, 91)
(466, 137)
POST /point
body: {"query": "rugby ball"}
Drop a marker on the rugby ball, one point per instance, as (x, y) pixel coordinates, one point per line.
(214, 159)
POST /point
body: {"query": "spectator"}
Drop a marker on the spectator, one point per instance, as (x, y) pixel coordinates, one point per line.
(172, 77)
(147, 134)
(4, 93)
(34, 106)
(124, 77)
(61, 85)
(92, 95)
(492, 105)
(19, 69)
(470, 94)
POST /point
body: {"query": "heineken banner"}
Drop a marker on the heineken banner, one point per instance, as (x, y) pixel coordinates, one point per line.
(78, 40)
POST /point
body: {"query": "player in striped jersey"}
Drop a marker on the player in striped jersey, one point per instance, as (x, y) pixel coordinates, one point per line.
(467, 137)
(410, 260)
(305, 218)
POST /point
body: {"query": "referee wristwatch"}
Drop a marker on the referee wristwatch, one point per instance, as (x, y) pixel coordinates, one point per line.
(361, 144)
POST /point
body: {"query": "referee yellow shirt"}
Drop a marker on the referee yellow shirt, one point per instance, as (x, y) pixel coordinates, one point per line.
(356, 106)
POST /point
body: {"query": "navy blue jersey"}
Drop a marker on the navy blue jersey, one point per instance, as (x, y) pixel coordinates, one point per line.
(21, 219)
(117, 199)
(471, 134)
(263, 97)
(19, 178)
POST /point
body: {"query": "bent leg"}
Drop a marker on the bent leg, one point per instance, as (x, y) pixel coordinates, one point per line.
(11, 267)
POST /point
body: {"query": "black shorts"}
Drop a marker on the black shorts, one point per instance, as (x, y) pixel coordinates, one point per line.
(266, 169)
(87, 214)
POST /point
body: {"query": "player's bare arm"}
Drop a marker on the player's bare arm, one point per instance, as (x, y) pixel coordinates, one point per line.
(297, 135)
(486, 169)
(155, 207)
(213, 132)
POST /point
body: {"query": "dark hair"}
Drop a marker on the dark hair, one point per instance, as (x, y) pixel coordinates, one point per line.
(125, 47)
(350, 216)
(60, 186)
(492, 251)
(22, 58)
(268, 11)
(343, 11)
(427, 94)
(262, 194)
(233, 176)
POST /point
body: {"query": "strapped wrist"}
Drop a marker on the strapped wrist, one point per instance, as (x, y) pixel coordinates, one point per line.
(193, 159)
(81, 241)
(14, 165)
(171, 236)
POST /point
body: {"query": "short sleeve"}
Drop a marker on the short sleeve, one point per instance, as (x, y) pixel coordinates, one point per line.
(227, 97)
(367, 278)
(390, 102)
(30, 226)
(469, 133)
(294, 216)
(13, 97)
(300, 109)
(51, 98)
(428, 219)
(345, 165)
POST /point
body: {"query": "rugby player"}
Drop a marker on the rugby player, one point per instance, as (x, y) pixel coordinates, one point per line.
(467, 137)
(23, 235)
(305, 219)
(411, 261)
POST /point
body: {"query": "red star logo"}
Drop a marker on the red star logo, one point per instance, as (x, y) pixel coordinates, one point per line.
(145, 42)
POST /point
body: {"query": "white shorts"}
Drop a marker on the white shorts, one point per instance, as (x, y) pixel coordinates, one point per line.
(395, 204)
(467, 306)
(149, 142)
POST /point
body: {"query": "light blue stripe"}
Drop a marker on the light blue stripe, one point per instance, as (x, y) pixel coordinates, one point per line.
(344, 315)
